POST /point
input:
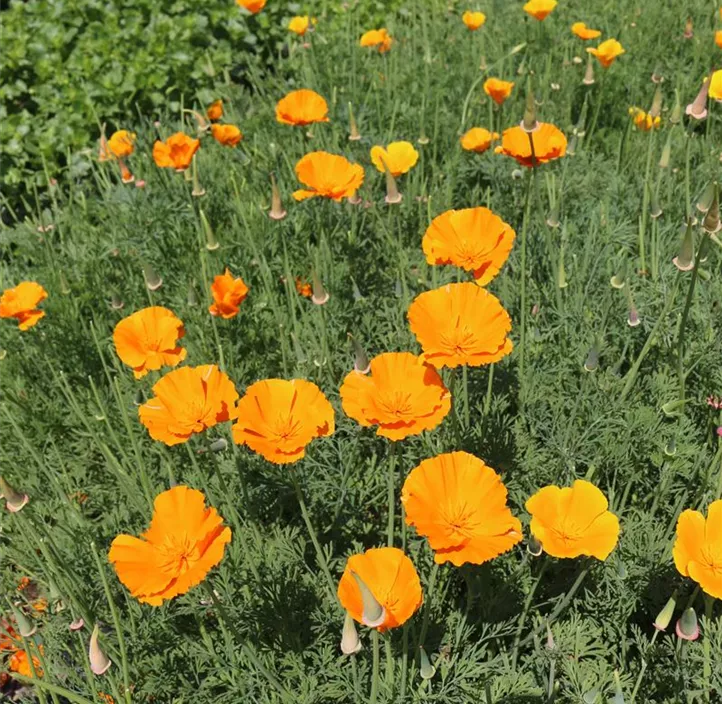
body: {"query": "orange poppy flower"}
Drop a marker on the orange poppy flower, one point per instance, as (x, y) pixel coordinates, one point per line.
(377, 37)
(392, 579)
(718, 38)
(148, 340)
(227, 135)
(697, 550)
(459, 504)
(497, 89)
(549, 143)
(301, 107)
(19, 663)
(644, 121)
(9, 639)
(253, 6)
(328, 175)
(474, 239)
(215, 110)
(121, 143)
(581, 30)
(460, 324)
(399, 157)
(22, 302)
(176, 152)
(300, 25)
(473, 20)
(715, 86)
(607, 51)
(188, 400)
(573, 521)
(478, 140)
(183, 542)
(540, 9)
(277, 418)
(402, 395)
(228, 294)
(303, 288)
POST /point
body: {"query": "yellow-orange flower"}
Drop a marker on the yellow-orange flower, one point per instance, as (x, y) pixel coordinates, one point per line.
(328, 175)
(301, 107)
(392, 579)
(20, 664)
(398, 157)
(607, 51)
(540, 9)
(573, 521)
(402, 395)
(22, 302)
(9, 639)
(148, 340)
(459, 504)
(497, 89)
(228, 293)
(549, 144)
(643, 120)
(253, 6)
(176, 152)
(122, 143)
(300, 24)
(184, 541)
(188, 400)
(473, 20)
(478, 140)
(303, 288)
(581, 30)
(215, 110)
(377, 37)
(277, 418)
(718, 38)
(474, 239)
(715, 85)
(227, 135)
(697, 550)
(460, 324)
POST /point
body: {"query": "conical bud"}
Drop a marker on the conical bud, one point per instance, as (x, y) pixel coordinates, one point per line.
(553, 218)
(572, 147)
(529, 122)
(320, 296)
(687, 627)
(125, 174)
(298, 350)
(373, 614)
(588, 79)
(698, 108)
(551, 645)
(192, 297)
(664, 617)
(534, 547)
(198, 190)
(392, 192)
(219, 445)
(354, 134)
(361, 361)
(350, 643)
(26, 627)
(655, 209)
(711, 223)
(14, 500)
(276, 212)
(675, 116)
(211, 241)
(705, 200)
(670, 449)
(666, 152)
(426, 669)
(99, 661)
(116, 302)
(592, 362)
(152, 281)
(633, 316)
(656, 109)
(684, 261)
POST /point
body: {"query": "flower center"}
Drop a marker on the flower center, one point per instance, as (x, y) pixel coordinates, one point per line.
(180, 554)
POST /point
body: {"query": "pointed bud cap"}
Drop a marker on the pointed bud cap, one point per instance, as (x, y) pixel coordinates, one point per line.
(698, 108)
(588, 79)
(198, 190)
(392, 191)
(354, 134)
(426, 669)
(655, 210)
(14, 500)
(361, 362)
(219, 445)
(152, 281)
(553, 218)
(99, 661)
(192, 297)
(529, 122)
(705, 200)
(116, 302)
(687, 627)
(534, 547)
(373, 614)
(656, 109)
(684, 261)
(320, 296)
(666, 153)
(26, 627)
(711, 223)
(276, 212)
(664, 617)
(551, 645)
(670, 449)
(675, 117)
(350, 642)
(633, 318)
(211, 242)
(592, 362)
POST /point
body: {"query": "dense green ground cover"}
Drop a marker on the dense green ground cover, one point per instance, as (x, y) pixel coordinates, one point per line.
(68, 419)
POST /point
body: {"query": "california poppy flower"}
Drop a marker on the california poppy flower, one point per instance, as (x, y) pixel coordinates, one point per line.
(459, 504)
(573, 521)
(148, 340)
(184, 541)
(497, 89)
(328, 175)
(474, 239)
(122, 143)
(643, 120)
(9, 639)
(176, 152)
(478, 140)
(402, 395)
(607, 51)
(19, 663)
(392, 579)
(215, 110)
(303, 288)
(715, 86)
(697, 549)
(188, 400)
(253, 6)
(227, 135)
(300, 25)
(460, 324)
(277, 418)
(22, 302)
(549, 144)
(301, 107)
(473, 20)
(398, 157)
(228, 293)
(718, 38)
(540, 9)
(579, 29)
(377, 37)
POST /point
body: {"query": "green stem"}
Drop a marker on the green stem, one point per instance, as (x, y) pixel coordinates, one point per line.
(427, 602)
(43, 686)
(642, 669)
(391, 494)
(375, 666)
(522, 339)
(525, 611)
(465, 381)
(489, 387)
(708, 608)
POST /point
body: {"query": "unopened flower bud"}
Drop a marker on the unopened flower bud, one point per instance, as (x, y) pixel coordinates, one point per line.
(392, 192)
(354, 134)
(529, 123)
(350, 642)
(698, 108)
(426, 669)
(551, 645)
(26, 627)
(588, 79)
(276, 212)
(198, 190)
(655, 210)
(192, 297)
(553, 218)
(77, 624)
(711, 223)
(684, 261)
(666, 153)
(374, 614)
(152, 281)
(664, 617)
(14, 500)
(687, 627)
(219, 445)
(534, 547)
(688, 29)
(211, 241)
(320, 296)
(361, 361)
(592, 362)
(99, 661)
(656, 109)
